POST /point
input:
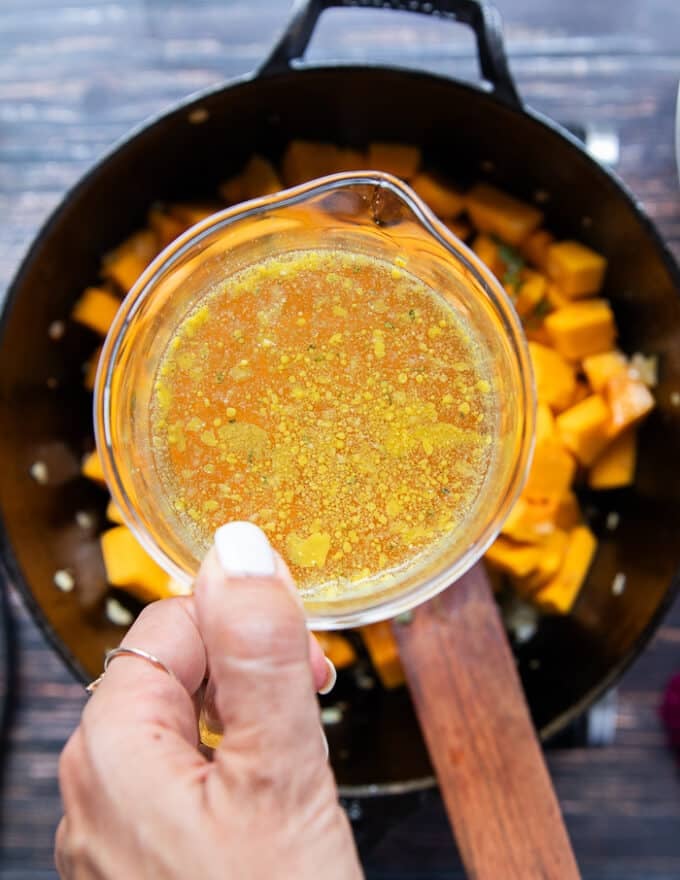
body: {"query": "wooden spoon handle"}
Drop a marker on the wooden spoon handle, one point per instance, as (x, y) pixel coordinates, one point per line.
(489, 763)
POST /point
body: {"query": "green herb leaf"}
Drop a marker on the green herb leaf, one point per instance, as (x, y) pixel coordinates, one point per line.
(514, 263)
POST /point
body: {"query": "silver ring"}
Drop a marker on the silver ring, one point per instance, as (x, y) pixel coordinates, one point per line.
(132, 652)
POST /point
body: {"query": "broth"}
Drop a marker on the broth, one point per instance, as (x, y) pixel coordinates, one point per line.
(333, 399)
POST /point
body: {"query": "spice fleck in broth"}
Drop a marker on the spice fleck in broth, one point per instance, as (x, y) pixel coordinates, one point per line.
(336, 401)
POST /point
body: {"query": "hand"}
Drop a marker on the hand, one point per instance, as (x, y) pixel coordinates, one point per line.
(141, 801)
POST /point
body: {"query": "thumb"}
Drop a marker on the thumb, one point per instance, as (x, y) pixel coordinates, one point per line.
(258, 651)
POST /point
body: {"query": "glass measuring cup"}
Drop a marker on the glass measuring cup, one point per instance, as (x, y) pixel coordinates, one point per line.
(371, 214)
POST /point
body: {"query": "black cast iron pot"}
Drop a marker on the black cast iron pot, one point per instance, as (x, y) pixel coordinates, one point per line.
(466, 132)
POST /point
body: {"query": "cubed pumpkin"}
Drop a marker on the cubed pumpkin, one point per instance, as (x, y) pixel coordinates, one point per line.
(384, 653)
(555, 378)
(92, 467)
(337, 648)
(530, 521)
(535, 248)
(258, 178)
(191, 213)
(443, 199)
(582, 329)
(305, 160)
(545, 423)
(166, 227)
(528, 293)
(556, 297)
(599, 368)
(488, 252)
(460, 228)
(96, 309)
(550, 558)
(583, 428)
(552, 471)
(498, 213)
(126, 263)
(512, 557)
(129, 566)
(629, 400)
(113, 513)
(349, 159)
(614, 468)
(577, 269)
(559, 594)
(402, 160)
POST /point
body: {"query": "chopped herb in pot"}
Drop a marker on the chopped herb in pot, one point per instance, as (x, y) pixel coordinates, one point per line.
(514, 263)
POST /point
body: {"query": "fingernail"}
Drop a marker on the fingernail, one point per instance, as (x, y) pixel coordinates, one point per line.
(244, 550)
(331, 678)
(324, 740)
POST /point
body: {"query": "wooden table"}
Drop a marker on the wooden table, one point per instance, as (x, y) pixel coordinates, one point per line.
(75, 76)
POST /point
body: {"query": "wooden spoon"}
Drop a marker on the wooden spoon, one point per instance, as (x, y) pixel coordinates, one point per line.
(489, 763)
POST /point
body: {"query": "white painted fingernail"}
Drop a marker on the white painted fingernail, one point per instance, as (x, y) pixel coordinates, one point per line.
(244, 550)
(331, 678)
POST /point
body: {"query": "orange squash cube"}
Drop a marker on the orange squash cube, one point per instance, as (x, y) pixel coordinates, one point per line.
(113, 513)
(556, 298)
(497, 213)
(530, 521)
(555, 379)
(551, 556)
(599, 368)
(258, 178)
(92, 467)
(337, 648)
(402, 160)
(577, 269)
(384, 653)
(487, 251)
(583, 428)
(129, 567)
(513, 558)
(126, 263)
(305, 160)
(582, 329)
(560, 593)
(545, 423)
(629, 401)
(166, 227)
(615, 466)
(350, 159)
(528, 293)
(96, 309)
(460, 228)
(444, 200)
(552, 471)
(191, 213)
(535, 248)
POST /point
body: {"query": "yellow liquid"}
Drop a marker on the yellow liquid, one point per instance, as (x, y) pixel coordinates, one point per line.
(336, 401)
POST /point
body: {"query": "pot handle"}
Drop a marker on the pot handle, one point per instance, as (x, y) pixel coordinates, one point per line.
(480, 16)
